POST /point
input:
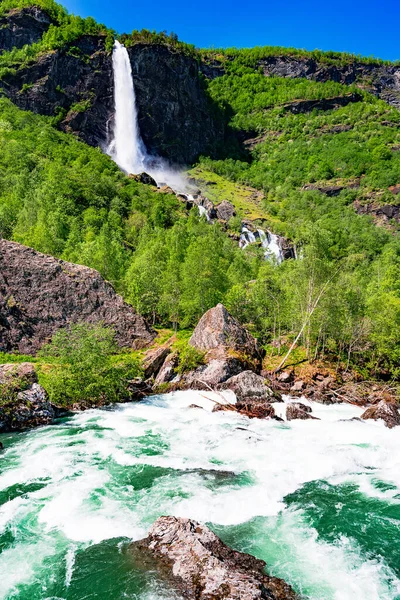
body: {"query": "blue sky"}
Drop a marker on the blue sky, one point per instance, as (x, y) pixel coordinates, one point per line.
(366, 27)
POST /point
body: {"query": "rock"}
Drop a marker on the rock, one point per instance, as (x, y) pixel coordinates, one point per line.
(286, 377)
(138, 389)
(217, 371)
(218, 329)
(204, 568)
(30, 408)
(165, 189)
(154, 359)
(167, 371)
(24, 373)
(297, 386)
(40, 294)
(1, 447)
(249, 387)
(22, 26)
(195, 406)
(225, 211)
(253, 410)
(144, 178)
(297, 410)
(305, 106)
(386, 411)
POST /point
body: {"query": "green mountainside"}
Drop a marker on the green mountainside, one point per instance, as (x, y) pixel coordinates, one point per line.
(313, 153)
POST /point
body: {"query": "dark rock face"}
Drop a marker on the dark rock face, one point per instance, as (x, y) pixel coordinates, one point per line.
(167, 372)
(175, 115)
(218, 329)
(225, 210)
(154, 359)
(380, 213)
(144, 178)
(203, 567)
(386, 411)
(304, 106)
(22, 26)
(249, 388)
(24, 403)
(40, 294)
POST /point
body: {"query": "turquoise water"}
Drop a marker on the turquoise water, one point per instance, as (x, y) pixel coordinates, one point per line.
(319, 501)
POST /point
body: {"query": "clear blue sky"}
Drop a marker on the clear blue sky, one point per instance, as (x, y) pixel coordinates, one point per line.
(367, 27)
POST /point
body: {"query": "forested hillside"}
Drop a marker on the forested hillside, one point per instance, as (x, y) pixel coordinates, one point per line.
(320, 152)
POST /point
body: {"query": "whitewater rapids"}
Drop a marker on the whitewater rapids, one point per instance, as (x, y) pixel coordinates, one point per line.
(73, 494)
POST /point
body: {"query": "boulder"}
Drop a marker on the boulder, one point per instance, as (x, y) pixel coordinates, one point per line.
(214, 373)
(23, 374)
(165, 189)
(218, 329)
(40, 294)
(144, 178)
(30, 408)
(297, 410)
(154, 359)
(388, 412)
(225, 211)
(202, 567)
(167, 371)
(298, 386)
(253, 410)
(249, 387)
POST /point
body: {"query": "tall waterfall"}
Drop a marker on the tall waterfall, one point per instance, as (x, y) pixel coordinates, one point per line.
(127, 148)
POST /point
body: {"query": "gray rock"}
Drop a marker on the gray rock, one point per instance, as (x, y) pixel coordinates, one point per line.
(31, 408)
(218, 329)
(40, 294)
(249, 387)
(225, 211)
(202, 567)
(297, 386)
(217, 371)
(297, 410)
(389, 413)
(167, 371)
(154, 359)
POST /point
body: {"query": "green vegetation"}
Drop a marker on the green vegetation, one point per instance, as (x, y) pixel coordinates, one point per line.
(82, 366)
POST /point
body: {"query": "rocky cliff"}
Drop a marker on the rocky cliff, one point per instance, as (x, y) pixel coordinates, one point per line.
(23, 26)
(176, 117)
(40, 294)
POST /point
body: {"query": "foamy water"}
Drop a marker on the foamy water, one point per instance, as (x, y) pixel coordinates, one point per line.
(106, 475)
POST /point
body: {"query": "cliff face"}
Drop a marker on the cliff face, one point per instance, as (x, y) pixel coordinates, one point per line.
(175, 115)
(381, 80)
(40, 294)
(24, 26)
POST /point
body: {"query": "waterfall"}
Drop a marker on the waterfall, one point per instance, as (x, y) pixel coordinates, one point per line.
(127, 148)
(270, 242)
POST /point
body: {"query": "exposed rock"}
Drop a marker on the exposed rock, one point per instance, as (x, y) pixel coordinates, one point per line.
(297, 410)
(252, 410)
(286, 377)
(305, 106)
(249, 388)
(165, 189)
(23, 402)
(22, 26)
(218, 329)
(138, 389)
(298, 386)
(154, 359)
(225, 211)
(144, 178)
(202, 567)
(386, 411)
(328, 190)
(167, 371)
(40, 294)
(381, 213)
(217, 371)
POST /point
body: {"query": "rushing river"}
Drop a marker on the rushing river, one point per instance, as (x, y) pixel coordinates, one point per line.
(319, 501)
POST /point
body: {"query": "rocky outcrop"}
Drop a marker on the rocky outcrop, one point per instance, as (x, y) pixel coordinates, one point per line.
(22, 26)
(176, 117)
(211, 375)
(297, 410)
(225, 211)
(40, 294)
(250, 388)
(388, 412)
(217, 329)
(154, 359)
(23, 402)
(202, 567)
(304, 106)
(382, 214)
(167, 372)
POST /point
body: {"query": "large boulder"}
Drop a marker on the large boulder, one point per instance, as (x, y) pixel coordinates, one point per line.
(40, 294)
(217, 329)
(154, 360)
(202, 567)
(249, 388)
(297, 410)
(217, 371)
(225, 211)
(23, 402)
(388, 412)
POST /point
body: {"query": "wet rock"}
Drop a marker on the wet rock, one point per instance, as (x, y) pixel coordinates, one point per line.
(165, 189)
(297, 410)
(40, 294)
(167, 371)
(214, 373)
(138, 389)
(252, 409)
(144, 178)
(386, 411)
(154, 359)
(218, 329)
(249, 387)
(225, 211)
(195, 406)
(202, 567)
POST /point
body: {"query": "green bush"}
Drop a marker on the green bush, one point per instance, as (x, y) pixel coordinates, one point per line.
(82, 367)
(189, 358)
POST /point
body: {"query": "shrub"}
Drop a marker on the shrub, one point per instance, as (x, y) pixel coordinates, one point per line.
(83, 367)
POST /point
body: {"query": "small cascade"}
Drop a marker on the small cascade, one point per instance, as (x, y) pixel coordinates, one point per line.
(269, 241)
(246, 237)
